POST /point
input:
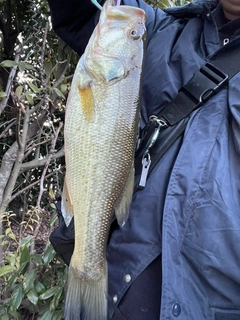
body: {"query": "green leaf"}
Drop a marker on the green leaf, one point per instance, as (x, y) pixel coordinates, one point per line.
(30, 99)
(25, 65)
(11, 258)
(56, 299)
(16, 315)
(8, 63)
(64, 88)
(33, 87)
(39, 287)
(16, 297)
(47, 315)
(5, 242)
(3, 310)
(48, 66)
(25, 255)
(2, 94)
(28, 281)
(49, 254)
(12, 236)
(59, 93)
(6, 269)
(37, 258)
(32, 296)
(12, 279)
(7, 231)
(53, 219)
(24, 260)
(19, 90)
(27, 241)
(5, 317)
(53, 206)
(49, 293)
(23, 268)
(57, 315)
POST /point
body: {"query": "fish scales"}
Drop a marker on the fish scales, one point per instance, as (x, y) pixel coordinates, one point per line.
(98, 160)
(100, 134)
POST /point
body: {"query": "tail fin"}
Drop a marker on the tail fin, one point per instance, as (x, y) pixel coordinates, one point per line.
(85, 299)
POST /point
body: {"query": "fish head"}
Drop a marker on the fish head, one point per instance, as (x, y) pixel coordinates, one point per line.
(117, 43)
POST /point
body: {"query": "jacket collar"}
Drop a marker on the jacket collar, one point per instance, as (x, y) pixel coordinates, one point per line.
(195, 8)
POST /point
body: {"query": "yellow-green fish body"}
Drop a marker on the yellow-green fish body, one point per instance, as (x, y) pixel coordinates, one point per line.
(100, 134)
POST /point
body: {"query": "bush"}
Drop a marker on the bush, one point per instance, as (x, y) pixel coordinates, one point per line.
(31, 284)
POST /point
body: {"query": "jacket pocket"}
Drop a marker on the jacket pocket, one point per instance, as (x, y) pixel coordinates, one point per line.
(226, 314)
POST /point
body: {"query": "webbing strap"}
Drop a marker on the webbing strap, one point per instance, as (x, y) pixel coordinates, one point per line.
(228, 60)
(206, 82)
(202, 86)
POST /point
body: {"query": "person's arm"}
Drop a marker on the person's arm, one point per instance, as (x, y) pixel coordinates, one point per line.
(74, 21)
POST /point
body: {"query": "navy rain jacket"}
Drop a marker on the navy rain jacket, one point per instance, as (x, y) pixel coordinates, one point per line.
(190, 209)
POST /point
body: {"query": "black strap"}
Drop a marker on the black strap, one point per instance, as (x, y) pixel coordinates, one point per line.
(165, 128)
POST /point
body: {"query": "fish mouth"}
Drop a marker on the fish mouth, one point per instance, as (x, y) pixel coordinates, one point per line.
(121, 12)
(124, 12)
(99, 63)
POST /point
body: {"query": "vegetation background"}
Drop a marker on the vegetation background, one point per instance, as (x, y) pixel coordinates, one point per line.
(36, 69)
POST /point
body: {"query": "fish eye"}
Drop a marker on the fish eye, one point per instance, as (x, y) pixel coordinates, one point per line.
(135, 34)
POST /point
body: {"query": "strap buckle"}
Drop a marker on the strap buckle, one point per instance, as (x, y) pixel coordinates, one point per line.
(157, 125)
(205, 83)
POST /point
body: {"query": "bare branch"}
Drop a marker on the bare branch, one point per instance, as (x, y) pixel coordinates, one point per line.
(6, 122)
(35, 145)
(18, 129)
(12, 175)
(40, 162)
(47, 164)
(32, 185)
(37, 152)
(42, 73)
(61, 77)
(4, 133)
(54, 68)
(9, 83)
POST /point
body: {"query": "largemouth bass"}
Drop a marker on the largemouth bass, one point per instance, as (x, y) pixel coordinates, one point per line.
(101, 128)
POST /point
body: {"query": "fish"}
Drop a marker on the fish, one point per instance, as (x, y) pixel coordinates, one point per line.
(100, 135)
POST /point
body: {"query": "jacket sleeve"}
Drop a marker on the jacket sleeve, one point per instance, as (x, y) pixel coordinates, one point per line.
(74, 20)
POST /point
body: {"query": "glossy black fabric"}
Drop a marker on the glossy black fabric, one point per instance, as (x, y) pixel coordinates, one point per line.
(62, 238)
(142, 300)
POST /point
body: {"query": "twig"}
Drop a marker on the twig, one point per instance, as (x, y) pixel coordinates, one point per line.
(31, 185)
(9, 83)
(43, 80)
(53, 68)
(17, 165)
(39, 163)
(37, 151)
(3, 134)
(6, 122)
(47, 164)
(60, 79)
(35, 145)
(18, 129)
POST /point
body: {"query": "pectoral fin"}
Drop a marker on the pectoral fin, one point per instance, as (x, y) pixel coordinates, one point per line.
(66, 205)
(106, 69)
(87, 101)
(123, 205)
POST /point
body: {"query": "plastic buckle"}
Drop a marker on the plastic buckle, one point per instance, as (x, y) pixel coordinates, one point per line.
(205, 83)
(217, 76)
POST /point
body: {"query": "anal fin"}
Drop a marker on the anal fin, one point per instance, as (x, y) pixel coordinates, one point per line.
(123, 204)
(66, 205)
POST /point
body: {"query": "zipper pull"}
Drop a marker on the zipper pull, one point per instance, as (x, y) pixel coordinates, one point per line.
(146, 162)
(225, 41)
